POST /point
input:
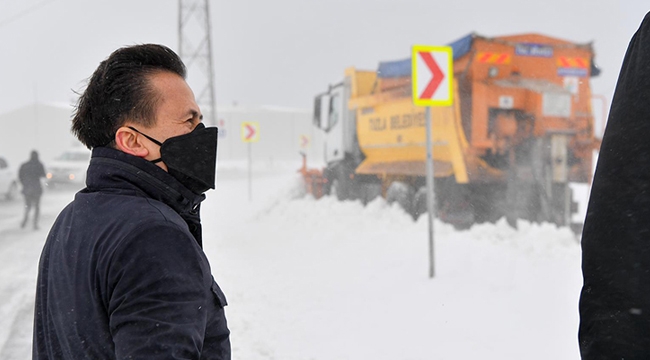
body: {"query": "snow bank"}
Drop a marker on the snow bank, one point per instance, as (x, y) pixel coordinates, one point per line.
(323, 279)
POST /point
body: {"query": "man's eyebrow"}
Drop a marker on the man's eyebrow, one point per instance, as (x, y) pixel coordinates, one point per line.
(193, 113)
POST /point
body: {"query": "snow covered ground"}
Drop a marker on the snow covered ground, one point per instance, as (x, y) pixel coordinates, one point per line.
(324, 279)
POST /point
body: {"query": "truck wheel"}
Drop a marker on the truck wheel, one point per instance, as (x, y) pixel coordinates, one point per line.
(420, 203)
(340, 185)
(335, 189)
(369, 192)
(489, 202)
(403, 194)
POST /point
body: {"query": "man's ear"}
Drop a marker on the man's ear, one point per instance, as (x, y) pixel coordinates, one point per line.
(130, 142)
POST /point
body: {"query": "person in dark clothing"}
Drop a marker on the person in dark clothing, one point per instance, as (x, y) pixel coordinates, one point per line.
(30, 174)
(123, 274)
(614, 302)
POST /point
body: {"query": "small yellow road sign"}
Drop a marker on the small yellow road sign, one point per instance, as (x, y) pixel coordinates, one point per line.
(250, 131)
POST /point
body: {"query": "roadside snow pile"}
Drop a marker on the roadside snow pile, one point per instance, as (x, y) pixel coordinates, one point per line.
(529, 238)
(324, 279)
(341, 218)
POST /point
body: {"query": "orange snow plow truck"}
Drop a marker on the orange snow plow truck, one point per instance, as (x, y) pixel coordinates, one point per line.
(520, 129)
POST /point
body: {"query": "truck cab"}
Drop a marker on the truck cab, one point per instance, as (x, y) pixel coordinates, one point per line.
(333, 116)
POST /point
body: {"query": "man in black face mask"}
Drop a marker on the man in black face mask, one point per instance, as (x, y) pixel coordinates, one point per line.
(190, 158)
(123, 274)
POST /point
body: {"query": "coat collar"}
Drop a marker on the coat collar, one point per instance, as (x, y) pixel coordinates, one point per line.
(114, 170)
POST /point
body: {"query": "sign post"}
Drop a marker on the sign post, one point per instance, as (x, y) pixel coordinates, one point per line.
(431, 200)
(250, 133)
(432, 79)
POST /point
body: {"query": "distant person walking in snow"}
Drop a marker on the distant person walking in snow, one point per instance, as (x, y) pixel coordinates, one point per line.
(30, 175)
(615, 299)
(123, 274)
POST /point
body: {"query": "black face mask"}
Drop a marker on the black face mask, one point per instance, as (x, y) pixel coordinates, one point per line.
(191, 158)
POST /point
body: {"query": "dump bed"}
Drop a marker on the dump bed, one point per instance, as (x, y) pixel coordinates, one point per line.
(508, 89)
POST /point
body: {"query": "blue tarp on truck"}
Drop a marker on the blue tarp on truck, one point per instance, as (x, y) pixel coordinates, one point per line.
(460, 47)
(400, 68)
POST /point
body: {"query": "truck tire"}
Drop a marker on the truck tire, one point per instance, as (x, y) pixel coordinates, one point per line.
(489, 202)
(403, 194)
(420, 203)
(340, 184)
(335, 189)
(369, 192)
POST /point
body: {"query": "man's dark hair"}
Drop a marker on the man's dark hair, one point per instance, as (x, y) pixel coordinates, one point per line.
(119, 90)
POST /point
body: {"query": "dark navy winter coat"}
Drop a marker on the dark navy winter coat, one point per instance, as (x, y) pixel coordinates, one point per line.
(123, 274)
(615, 299)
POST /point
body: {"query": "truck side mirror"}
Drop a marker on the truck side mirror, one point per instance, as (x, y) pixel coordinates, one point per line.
(317, 111)
(321, 111)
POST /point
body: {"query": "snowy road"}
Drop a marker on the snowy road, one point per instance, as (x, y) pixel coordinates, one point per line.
(323, 279)
(19, 252)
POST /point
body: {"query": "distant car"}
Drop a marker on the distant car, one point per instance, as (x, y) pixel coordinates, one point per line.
(69, 168)
(8, 180)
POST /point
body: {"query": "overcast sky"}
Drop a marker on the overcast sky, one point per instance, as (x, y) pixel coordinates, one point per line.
(283, 52)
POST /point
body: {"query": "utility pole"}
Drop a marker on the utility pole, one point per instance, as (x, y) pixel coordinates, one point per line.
(195, 49)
